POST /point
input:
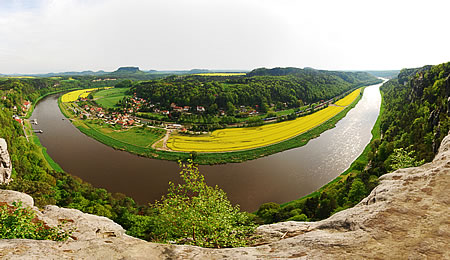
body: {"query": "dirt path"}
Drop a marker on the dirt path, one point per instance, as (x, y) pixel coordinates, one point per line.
(164, 140)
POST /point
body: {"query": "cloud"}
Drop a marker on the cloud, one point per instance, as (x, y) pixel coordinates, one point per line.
(63, 35)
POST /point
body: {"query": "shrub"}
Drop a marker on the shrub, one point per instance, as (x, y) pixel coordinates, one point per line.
(268, 212)
(19, 222)
(197, 214)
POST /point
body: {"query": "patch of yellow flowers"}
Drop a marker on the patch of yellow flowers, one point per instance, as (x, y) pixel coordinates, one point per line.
(75, 95)
(233, 139)
(347, 100)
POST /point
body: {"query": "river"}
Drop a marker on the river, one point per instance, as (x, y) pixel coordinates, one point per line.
(277, 178)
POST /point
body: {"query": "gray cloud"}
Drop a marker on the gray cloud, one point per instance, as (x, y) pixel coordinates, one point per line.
(64, 35)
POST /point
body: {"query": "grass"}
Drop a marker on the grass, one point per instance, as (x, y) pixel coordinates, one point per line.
(234, 139)
(139, 136)
(108, 98)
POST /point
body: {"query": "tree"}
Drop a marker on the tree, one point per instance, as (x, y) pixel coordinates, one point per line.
(404, 159)
(268, 212)
(357, 191)
(126, 83)
(197, 214)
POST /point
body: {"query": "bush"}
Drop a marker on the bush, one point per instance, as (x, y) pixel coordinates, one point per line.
(301, 217)
(268, 212)
(197, 214)
(19, 222)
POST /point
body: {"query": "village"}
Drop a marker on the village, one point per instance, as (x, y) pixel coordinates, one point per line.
(125, 118)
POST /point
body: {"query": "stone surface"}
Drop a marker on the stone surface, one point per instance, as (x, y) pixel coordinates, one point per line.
(405, 217)
(10, 196)
(5, 163)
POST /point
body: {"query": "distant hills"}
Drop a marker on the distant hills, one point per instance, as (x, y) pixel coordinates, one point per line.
(135, 72)
(389, 74)
(125, 72)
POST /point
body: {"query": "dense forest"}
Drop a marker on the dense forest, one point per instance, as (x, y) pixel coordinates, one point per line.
(260, 89)
(413, 122)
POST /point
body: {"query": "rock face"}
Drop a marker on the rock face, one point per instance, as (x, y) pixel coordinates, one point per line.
(5, 163)
(405, 217)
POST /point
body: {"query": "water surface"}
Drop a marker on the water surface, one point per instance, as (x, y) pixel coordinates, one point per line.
(278, 178)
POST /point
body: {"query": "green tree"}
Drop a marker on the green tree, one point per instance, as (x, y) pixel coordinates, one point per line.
(126, 83)
(197, 214)
(268, 212)
(357, 191)
(401, 158)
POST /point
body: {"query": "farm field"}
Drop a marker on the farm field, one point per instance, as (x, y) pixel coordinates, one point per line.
(74, 95)
(108, 98)
(247, 138)
(347, 100)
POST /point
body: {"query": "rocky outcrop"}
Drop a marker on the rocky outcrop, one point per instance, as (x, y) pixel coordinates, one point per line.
(5, 163)
(404, 217)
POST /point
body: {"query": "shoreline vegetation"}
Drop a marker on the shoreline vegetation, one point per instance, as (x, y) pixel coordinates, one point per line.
(354, 168)
(87, 127)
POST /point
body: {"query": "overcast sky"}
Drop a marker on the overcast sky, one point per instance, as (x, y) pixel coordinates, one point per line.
(38, 36)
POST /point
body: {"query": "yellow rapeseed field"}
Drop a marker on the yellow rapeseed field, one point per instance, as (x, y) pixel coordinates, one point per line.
(347, 100)
(75, 95)
(233, 139)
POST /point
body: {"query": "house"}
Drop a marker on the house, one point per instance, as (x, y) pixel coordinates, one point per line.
(18, 119)
(186, 108)
(179, 109)
(26, 105)
(165, 112)
(200, 109)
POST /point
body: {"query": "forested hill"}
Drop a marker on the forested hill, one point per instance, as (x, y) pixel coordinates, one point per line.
(414, 120)
(416, 116)
(260, 89)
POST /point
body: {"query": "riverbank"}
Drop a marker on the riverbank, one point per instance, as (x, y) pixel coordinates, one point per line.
(207, 158)
(355, 169)
(32, 137)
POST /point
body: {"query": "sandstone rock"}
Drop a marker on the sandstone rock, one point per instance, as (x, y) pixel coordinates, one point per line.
(10, 196)
(5, 163)
(404, 217)
(86, 226)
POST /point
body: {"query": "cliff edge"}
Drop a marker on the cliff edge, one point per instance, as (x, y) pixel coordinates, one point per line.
(5, 163)
(405, 217)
